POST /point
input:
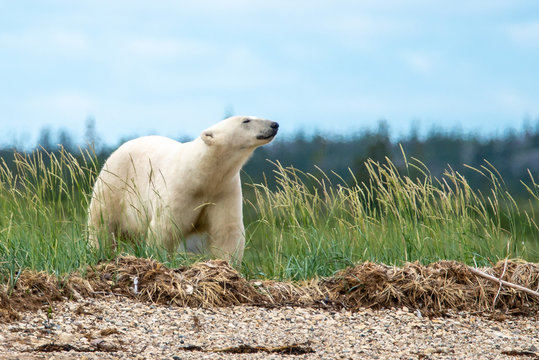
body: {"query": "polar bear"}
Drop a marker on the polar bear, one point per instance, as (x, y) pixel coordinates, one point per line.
(184, 196)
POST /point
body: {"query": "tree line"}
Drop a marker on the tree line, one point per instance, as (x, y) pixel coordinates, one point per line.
(514, 153)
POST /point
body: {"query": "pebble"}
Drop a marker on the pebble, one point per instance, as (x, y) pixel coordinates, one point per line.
(128, 329)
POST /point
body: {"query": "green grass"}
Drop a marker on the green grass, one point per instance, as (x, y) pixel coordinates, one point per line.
(311, 225)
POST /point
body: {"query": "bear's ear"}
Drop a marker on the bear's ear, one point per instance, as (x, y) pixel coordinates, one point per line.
(208, 137)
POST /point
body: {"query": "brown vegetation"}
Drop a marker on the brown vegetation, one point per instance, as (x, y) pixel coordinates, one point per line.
(431, 289)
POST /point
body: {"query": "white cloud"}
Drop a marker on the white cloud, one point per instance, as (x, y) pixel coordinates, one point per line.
(364, 26)
(525, 33)
(167, 47)
(223, 70)
(64, 105)
(362, 32)
(420, 62)
(68, 41)
(56, 42)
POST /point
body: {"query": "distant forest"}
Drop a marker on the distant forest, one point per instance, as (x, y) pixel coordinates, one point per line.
(514, 153)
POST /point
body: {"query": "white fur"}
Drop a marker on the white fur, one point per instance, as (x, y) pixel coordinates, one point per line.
(170, 191)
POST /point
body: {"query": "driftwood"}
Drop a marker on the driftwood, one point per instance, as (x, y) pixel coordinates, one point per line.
(503, 282)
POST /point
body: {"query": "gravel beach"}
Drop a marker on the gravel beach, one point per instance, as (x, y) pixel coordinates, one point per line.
(121, 328)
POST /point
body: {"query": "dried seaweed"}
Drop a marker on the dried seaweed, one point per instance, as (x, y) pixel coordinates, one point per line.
(432, 289)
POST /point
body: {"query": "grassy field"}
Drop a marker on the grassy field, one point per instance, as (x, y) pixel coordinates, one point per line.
(310, 225)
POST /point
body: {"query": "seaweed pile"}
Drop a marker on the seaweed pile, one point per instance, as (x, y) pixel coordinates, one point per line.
(433, 289)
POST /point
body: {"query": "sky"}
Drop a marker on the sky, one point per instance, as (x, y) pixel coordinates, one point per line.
(176, 67)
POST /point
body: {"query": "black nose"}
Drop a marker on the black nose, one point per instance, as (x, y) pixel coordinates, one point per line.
(274, 125)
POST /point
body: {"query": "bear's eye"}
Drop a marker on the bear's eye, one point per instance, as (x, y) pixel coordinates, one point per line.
(246, 121)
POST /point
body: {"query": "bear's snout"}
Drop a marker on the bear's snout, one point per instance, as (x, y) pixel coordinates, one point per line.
(269, 133)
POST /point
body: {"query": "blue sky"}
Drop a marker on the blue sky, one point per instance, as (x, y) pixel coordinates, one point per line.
(175, 67)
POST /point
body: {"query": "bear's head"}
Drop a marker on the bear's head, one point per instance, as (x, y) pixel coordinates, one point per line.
(241, 132)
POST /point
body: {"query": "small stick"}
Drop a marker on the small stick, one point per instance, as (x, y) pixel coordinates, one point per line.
(503, 282)
(499, 287)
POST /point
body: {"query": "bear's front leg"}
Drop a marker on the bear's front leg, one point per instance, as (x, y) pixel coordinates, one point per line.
(227, 243)
(226, 238)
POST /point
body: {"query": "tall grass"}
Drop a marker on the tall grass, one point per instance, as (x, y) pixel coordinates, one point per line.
(42, 211)
(311, 224)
